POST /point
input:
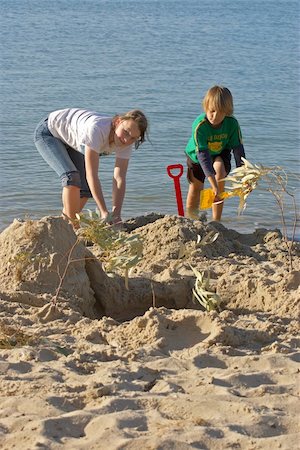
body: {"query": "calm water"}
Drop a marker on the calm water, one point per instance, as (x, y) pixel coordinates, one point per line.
(157, 55)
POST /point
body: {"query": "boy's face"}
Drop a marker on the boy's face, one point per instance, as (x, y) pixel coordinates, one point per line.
(215, 117)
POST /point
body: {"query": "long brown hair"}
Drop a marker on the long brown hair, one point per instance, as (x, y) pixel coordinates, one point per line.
(141, 121)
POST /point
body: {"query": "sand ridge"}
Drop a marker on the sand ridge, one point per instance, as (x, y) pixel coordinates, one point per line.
(106, 368)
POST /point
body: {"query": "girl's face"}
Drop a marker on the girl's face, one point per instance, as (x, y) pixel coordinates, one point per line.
(215, 117)
(126, 132)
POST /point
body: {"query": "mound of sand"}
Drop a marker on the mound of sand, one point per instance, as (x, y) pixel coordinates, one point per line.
(97, 366)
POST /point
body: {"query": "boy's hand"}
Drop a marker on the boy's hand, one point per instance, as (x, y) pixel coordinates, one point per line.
(217, 200)
(215, 188)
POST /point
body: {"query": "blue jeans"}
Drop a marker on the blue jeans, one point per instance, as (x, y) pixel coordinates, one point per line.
(68, 163)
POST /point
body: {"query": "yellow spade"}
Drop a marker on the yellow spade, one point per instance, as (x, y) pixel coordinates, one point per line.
(207, 197)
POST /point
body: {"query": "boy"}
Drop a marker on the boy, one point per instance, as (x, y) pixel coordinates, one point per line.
(214, 134)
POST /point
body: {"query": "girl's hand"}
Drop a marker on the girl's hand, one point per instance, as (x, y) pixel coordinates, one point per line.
(117, 220)
(104, 215)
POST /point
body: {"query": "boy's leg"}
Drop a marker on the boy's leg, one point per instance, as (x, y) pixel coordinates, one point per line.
(196, 179)
(220, 173)
(193, 197)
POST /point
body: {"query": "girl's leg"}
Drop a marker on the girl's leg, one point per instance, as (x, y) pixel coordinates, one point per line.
(220, 173)
(71, 201)
(83, 201)
(79, 162)
(55, 153)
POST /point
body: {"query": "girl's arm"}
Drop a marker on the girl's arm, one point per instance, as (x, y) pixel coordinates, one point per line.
(92, 167)
(119, 187)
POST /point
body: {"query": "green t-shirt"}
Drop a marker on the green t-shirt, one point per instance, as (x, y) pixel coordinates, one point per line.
(215, 140)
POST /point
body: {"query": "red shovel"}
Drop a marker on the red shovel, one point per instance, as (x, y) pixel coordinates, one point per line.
(176, 178)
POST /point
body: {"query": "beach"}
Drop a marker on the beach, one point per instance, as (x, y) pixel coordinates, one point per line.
(95, 365)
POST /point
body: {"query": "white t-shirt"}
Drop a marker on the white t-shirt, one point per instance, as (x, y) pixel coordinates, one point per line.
(79, 127)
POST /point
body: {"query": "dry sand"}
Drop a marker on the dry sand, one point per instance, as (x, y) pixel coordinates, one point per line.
(147, 368)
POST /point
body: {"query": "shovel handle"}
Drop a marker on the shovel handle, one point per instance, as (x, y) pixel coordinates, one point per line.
(176, 179)
(174, 167)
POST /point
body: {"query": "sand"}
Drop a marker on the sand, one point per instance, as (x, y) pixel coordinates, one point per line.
(148, 368)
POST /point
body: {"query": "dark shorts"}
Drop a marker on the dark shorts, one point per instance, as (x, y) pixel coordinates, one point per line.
(196, 169)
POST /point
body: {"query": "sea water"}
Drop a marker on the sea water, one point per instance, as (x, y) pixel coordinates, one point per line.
(160, 56)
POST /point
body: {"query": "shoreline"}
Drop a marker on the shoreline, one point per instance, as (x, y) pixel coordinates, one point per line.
(234, 223)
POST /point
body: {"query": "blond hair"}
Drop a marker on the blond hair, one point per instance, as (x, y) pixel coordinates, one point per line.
(220, 99)
(141, 121)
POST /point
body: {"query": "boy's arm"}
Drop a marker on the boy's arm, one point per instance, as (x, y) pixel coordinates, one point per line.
(206, 163)
(207, 167)
(238, 153)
